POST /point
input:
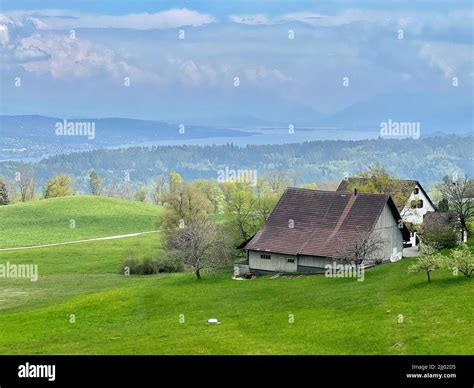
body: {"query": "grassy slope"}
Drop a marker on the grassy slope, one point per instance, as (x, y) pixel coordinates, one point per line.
(48, 221)
(332, 316)
(139, 315)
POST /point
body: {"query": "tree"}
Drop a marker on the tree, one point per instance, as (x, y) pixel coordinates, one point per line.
(162, 185)
(4, 194)
(241, 213)
(25, 179)
(429, 260)
(175, 181)
(378, 180)
(279, 181)
(59, 186)
(462, 260)
(459, 194)
(443, 205)
(189, 234)
(439, 230)
(200, 244)
(167, 186)
(140, 195)
(95, 183)
(213, 192)
(182, 207)
(265, 199)
(363, 245)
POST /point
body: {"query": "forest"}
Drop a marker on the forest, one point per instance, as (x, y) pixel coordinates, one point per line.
(426, 159)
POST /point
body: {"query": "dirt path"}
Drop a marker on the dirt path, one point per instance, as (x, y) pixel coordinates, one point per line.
(78, 241)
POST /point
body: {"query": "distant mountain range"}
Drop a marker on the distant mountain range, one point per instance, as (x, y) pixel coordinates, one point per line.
(448, 115)
(35, 136)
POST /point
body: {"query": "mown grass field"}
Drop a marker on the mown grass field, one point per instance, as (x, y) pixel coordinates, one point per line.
(115, 314)
(50, 221)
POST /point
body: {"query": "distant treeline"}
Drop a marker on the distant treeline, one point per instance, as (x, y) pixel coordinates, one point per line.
(427, 160)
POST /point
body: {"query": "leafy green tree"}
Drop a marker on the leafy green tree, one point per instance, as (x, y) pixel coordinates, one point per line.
(4, 194)
(428, 261)
(182, 207)
(378, 180)
(266, 195)
(443, 205)
(95, 183)
(140, 195)
(59, 186)
(462, 260)
(240, 212)
(213, 192)
(312, 186)
(175, 181)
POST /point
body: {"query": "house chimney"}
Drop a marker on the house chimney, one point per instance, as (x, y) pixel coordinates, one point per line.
(355, 191)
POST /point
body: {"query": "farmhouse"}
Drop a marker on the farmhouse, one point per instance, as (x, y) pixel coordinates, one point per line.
(310, 229)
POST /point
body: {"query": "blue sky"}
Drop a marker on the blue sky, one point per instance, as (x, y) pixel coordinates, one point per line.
(193, 79)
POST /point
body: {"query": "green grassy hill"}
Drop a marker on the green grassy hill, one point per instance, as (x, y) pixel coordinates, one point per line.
(390, 312)
(49, 220)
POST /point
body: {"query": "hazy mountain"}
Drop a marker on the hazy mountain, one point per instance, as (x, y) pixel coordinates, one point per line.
(33, 136)
(452, 114)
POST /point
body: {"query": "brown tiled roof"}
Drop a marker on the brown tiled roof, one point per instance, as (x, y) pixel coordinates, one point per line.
(404, 186)
(322, 221)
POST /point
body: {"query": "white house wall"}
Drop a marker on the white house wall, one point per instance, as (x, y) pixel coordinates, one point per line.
(415, 216)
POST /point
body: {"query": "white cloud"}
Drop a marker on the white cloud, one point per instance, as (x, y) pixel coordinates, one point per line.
(191, 73)
(73, 58)
(451, 59)
(142, 21)
(405, 19)
(261, 73)
(258, 19)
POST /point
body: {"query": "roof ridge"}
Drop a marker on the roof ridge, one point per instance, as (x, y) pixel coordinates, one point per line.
(343, 216)
(334, 192)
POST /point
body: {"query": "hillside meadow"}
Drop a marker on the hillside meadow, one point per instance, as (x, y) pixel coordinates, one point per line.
(73, 218)
(390, 312)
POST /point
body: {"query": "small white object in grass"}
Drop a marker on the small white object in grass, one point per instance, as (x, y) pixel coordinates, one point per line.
(214, 321)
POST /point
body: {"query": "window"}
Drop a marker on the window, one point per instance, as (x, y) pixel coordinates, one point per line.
(291, 260)
(419, 204)
(413, 204)
(266, 257)
(417, 190)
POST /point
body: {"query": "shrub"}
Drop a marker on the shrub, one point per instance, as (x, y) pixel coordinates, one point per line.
(168, 266)
(147, 266)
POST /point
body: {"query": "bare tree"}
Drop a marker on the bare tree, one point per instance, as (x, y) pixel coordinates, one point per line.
(459, 193)
(201, 244)
(26, 182)
(162, 185)
(361, 246)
